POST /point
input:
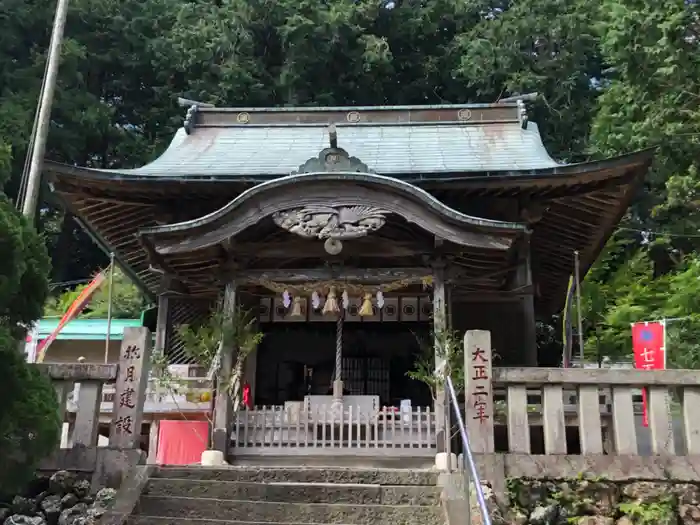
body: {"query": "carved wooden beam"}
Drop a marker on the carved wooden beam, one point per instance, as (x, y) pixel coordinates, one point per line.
(347, 191)
(300, 248)
(373, 275)
(158, 265)
(170, 284)
(485, 296)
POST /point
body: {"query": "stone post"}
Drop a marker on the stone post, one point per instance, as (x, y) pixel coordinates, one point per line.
(478, 373)
(88, 416)
(132, 383)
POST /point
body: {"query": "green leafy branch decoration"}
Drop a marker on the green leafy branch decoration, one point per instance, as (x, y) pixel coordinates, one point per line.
(204, 344)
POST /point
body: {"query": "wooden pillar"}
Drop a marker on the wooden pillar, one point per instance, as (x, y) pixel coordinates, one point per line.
(251, 371)
(223, 410)
(132, 382)
(251, 303)
(526, 304)
(442, 406)
(162, 323)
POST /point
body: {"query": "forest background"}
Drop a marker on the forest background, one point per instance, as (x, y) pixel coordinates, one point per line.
(613, 76)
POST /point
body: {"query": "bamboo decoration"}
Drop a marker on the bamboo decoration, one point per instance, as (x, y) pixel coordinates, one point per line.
(331, 306)
(366, 309)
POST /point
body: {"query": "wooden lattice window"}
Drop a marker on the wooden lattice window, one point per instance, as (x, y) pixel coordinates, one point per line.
(183, 310)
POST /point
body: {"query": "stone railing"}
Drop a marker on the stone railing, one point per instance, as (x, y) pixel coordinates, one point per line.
(555, 427)
(130, 377)
(596, 405)
(600, 404)
(90, 378)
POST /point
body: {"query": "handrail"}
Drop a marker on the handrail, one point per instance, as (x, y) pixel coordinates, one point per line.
(468, 457)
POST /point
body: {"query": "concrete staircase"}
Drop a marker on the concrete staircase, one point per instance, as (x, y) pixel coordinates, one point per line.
(289, 496)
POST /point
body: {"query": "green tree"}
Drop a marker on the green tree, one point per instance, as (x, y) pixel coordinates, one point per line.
(127, 300)
(109, 110)
(533, 46)
(29, 417)
(24, 265)
(652, 100)
(29, 422)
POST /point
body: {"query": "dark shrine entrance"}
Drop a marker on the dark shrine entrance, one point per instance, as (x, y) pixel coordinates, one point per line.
(298, 360)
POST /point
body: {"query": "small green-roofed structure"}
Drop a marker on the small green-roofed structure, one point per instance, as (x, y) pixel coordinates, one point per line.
(81, 339)
(86, 329)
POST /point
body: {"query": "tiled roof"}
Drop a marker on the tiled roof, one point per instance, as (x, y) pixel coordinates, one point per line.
(386, 149)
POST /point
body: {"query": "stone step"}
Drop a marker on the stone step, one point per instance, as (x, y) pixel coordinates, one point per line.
(308, 513)
(240, 459)
(159, 520)
(394, 477)
(289, 492)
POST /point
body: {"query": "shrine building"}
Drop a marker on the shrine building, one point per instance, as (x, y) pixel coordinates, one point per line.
(349, 231)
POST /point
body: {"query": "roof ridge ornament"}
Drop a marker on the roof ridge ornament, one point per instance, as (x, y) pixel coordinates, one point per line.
(191, 114)
(333, 159)
(520, 103)
(190, 118)
(522, 114)
(333, 136)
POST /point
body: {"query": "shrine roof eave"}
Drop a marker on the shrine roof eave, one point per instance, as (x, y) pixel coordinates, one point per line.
(381, 194)
(559, 175)
(562, 176)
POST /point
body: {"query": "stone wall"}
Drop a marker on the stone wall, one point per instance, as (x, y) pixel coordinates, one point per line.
(595, 501)
(104, 466)
(61, 499)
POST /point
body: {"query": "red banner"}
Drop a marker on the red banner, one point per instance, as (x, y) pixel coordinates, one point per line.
(73, 311)
(649, 346)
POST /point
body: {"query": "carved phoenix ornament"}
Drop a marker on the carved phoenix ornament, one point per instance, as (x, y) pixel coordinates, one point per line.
(326, 222)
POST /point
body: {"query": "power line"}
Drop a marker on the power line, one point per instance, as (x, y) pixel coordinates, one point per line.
(662, 234)
(64, 284)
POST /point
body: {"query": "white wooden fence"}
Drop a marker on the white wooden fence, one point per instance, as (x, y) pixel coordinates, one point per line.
(386, 432)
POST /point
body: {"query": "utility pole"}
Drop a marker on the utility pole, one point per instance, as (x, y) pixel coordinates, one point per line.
(44, 114)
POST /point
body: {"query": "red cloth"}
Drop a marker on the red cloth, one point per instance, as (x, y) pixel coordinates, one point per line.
(181, 442)
(247, 402)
